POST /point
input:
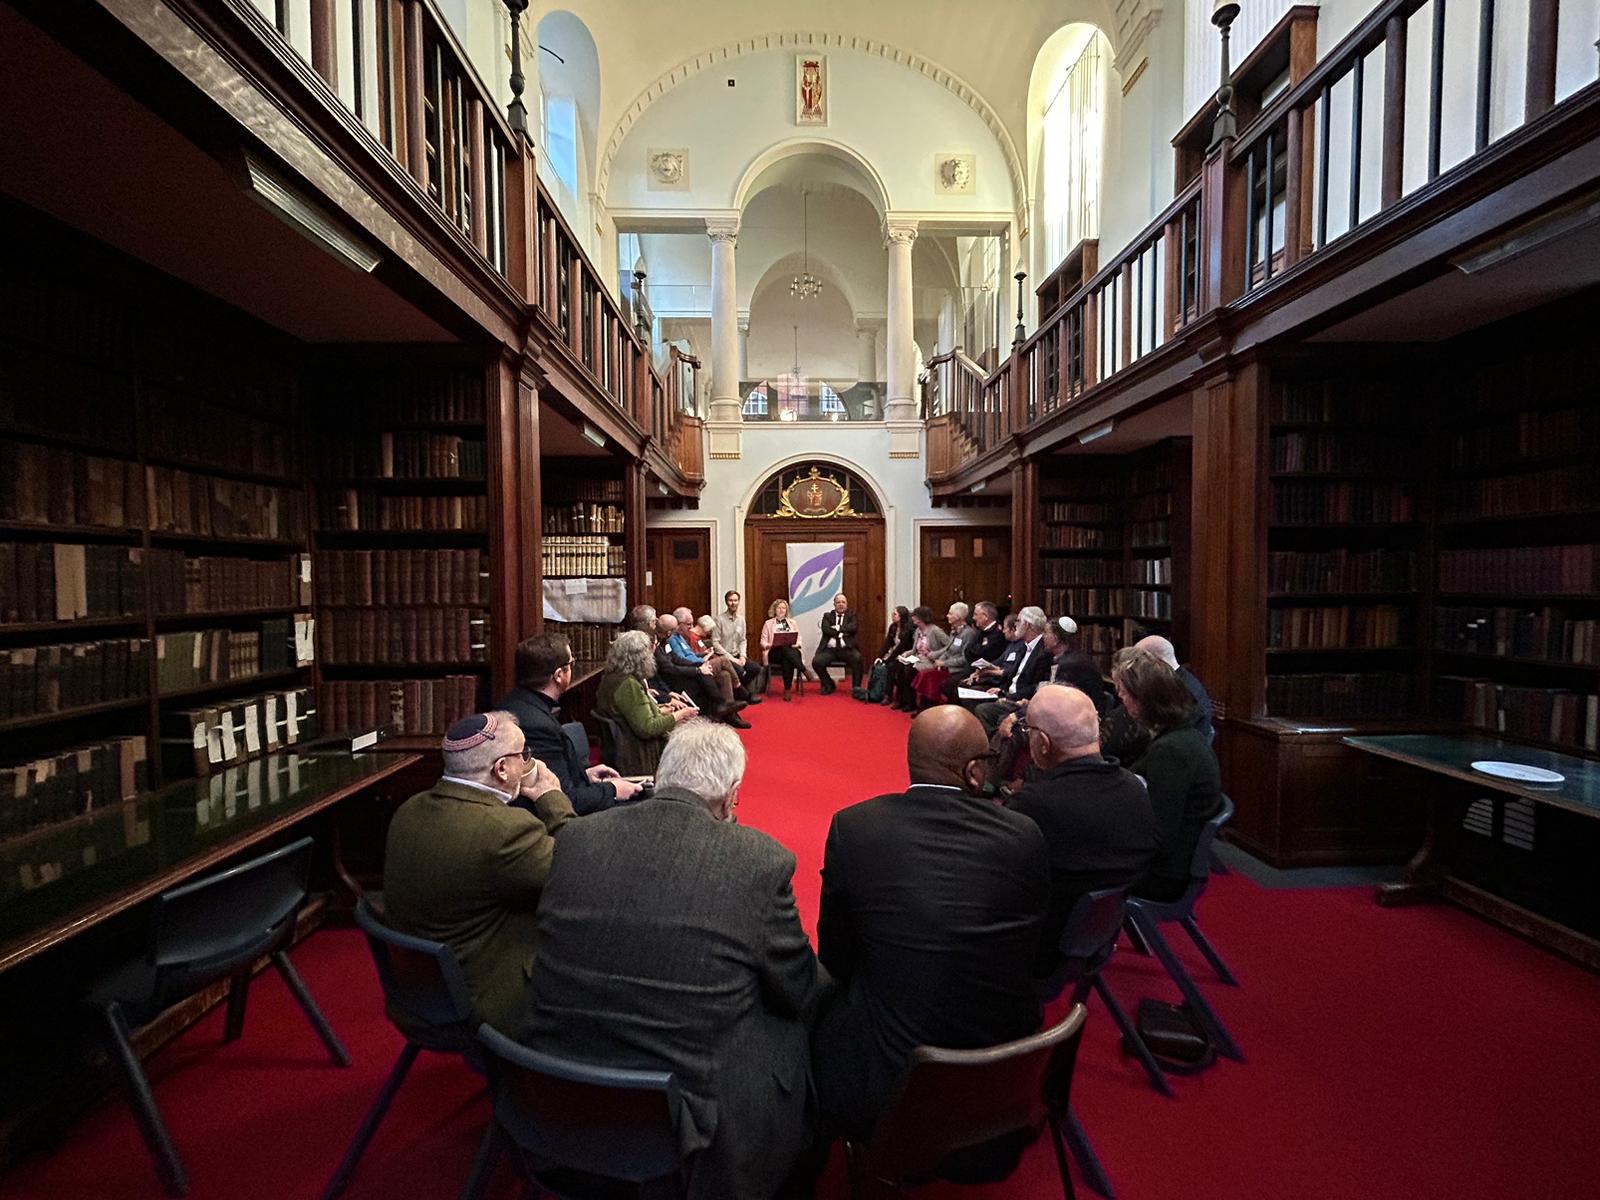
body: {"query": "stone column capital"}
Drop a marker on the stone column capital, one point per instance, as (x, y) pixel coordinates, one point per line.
(723, 229)
(898, 231)
(870, 324)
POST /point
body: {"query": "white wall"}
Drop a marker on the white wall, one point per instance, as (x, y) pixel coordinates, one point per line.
(1137, 182)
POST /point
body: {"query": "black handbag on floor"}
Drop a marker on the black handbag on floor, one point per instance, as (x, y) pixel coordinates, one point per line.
(1175, 1036)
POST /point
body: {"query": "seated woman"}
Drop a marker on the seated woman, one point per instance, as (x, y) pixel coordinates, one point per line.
(896, 641)
(1122, 737)
(929, 642)
(1179, 768)
(929, 685)
(642, 725)
(786, 660)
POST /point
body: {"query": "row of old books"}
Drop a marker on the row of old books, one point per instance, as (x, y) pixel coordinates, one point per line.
(405, 635)
(183, 583)
(182, 426)
(1525, 435)
(402, 577)
(49, 790)
(1102, 641)
(599, 491)
(39, 680)
(1150, 570)
(1547, 633)
(206, 506)
(1557, 715)
(413, 706)
(49, 485)
(1083, 602)
(590, 643)
(350, 509)
(1337, 627)
(401, 456)
(1079, 537)
(419, 397)
(1346, 502)
(1318, 452)
(581, 556)
(1080, 570)
(1076, 510)
(1561, 489)
(59, 311)
(1150, 506)
(584, 517)
(59, 581)
(1311, 401)
(1151, 479)
(199, 741)
(1526, 570)
(1341, 571)
(1151, 533)
(1151, 606)
(1339, 696)
(63, 396)
(195, 657)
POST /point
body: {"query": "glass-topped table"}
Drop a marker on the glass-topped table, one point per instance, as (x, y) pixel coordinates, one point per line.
(1454, 754)
(58, 881)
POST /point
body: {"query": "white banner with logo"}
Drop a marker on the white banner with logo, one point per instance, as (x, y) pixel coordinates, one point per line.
(816, 576)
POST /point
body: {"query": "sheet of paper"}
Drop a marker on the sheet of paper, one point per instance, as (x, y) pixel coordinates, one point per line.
(972, 694)
(908, 659)
(982, 664)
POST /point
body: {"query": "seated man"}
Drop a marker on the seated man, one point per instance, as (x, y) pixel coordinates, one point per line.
(988, 644)
(1095, 816)
(837, 645)
(1203, 709)
(669, 941)
(465, 867)
(932, 904)
(692, 675)
(1022, 674)
(1010, 651)
(686, 643)
(544, 671)
(732, 639)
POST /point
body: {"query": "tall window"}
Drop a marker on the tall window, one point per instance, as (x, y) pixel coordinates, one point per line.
(561, 137)
(1074, 145)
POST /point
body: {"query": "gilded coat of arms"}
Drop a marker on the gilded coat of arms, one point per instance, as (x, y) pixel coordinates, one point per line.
(815, 496)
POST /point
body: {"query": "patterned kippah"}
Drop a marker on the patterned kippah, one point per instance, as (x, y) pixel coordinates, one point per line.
(469, 732)
(1068, 625)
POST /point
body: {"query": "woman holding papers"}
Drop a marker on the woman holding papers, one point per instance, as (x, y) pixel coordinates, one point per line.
(926, 646)
(929, 685)
(780, 643)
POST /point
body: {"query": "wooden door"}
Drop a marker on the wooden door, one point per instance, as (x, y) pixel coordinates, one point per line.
(677, 563)
(766, 568)
(965, 562)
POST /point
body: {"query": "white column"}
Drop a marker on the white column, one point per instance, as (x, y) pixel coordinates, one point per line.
(744, 347)
(901, 402)
(725, 405)
(867, 349)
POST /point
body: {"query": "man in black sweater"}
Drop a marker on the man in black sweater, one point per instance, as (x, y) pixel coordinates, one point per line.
(544, 671)
(1095, 816)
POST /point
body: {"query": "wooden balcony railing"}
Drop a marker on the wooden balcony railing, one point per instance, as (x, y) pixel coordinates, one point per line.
(1273, 198)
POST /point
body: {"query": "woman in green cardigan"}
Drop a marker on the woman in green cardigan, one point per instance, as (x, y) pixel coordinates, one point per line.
(642, 725)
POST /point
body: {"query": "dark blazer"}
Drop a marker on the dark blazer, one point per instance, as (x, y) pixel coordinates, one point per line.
(832, 622)
(1034, 669)
(932, 904)
(896, 641)
(1185, 793)
(1100, 830)
(670, 941)
(540, 718)
(464, 868)
(1204, 710)
(990, 644)
(1077, 669)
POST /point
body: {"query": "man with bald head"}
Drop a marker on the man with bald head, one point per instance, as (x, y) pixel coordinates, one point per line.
(1095, 816)
(1165, 651)
(932, 906)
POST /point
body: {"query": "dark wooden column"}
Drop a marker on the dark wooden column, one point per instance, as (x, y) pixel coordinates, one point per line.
(1543, 17)
(416, 116)
(633, 519)
(1222, 230)
(530, 503)
(1024, 533)
(515, 514)
(324, 43)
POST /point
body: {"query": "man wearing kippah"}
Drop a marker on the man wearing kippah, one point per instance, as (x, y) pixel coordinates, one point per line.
(466, 867)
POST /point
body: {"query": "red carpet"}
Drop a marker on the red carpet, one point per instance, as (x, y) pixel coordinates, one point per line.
(1413, 1053)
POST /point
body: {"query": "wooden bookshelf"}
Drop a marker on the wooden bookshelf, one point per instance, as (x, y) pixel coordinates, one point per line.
(585, 536)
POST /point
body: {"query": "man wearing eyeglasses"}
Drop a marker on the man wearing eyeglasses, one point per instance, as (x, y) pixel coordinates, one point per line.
(466, 866)
(932, 904)
(544, 671)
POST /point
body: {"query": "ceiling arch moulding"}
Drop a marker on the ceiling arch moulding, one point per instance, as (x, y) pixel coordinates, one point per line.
(784, 41)
(877, 192)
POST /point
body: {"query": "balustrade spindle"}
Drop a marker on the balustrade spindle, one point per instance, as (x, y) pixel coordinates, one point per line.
(1485, 71)
(1267, 197)
(1357, 76)
(1325, 119)
(1436, 91)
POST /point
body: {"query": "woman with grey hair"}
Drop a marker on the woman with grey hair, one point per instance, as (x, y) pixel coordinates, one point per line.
(641, 724)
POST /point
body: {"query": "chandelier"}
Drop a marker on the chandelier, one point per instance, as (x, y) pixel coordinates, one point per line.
(805, 285)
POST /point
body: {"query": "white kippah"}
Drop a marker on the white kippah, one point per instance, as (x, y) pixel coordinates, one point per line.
(1068, 625)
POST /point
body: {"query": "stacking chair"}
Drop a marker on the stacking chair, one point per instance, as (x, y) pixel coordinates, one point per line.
(212, 929)
(608, 738)
(426, 996)
(950, 1101)
(580, 1131)
(578, 738)
(1145, 917)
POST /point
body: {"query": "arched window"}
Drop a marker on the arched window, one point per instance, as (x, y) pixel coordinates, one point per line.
(755, 404)
(560, 128)
(1073, 149)
(769, 500)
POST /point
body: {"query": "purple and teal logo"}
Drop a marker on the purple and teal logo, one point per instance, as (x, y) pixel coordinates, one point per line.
(816, 581)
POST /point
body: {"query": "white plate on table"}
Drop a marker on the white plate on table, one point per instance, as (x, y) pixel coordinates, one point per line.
(1518, 772)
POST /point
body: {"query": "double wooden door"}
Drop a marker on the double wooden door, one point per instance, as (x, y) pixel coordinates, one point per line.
(766, 568)
(965, 562)
(677, 565)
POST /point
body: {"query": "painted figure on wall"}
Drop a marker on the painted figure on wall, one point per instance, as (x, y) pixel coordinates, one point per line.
(811, 84)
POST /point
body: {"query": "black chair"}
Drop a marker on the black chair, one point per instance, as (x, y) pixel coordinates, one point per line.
(950, 1103)
(1145, 917)
(426, 997)
(578, 739)
(608, 738)
(581, 1132)
(212, 929)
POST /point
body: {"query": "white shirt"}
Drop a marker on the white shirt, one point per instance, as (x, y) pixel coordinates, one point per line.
(1027, 653)
(482, 787)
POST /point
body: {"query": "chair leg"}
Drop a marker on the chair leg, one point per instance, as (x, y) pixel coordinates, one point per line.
(308, 1005)
(370, 1123)
(1131, 1038)
(1067, 1189)
(1094, 1173)
(238, 995)
(168, 1165)
(856, 1169)
(1219, 1032)
(483, 1163)
(1135, 938)
(1218, 867)
(1192, 928)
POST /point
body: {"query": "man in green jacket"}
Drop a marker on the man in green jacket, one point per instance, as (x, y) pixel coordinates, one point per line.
(466, 868)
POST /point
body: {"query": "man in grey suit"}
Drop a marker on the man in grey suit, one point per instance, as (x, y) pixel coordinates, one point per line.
(669, 940)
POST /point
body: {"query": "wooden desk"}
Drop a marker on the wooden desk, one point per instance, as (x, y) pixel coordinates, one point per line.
(1429, 875)
(59, 881)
